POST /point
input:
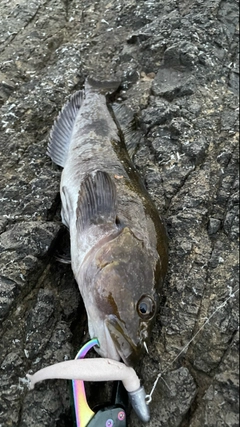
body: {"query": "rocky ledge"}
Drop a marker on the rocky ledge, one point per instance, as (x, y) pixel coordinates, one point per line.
(178, 63)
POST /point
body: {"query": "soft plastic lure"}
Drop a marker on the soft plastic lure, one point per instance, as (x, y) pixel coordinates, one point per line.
(98, 369)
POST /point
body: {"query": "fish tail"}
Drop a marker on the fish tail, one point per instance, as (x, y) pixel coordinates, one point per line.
(104, 87)
(60, 135)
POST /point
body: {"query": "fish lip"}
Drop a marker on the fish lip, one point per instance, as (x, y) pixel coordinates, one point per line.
(126, 348)
(107, 348)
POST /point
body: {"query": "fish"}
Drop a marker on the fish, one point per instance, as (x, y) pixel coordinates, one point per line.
(118, 242)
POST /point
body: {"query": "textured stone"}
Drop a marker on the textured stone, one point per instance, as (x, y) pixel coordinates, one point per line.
(178, 65)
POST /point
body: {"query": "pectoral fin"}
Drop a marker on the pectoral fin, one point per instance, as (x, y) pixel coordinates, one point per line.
(60, 135)
(96, 201)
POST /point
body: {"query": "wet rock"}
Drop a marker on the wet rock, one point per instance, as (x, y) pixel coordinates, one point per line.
(214, 225)
(181, 55)
(222, 393)
(179, 115)
(22, 246)
(159, 111)
(41, 317)
(6, 88)
(234, 81)
(35, 238)
(196, 149)
(176, 391)
(170, 83)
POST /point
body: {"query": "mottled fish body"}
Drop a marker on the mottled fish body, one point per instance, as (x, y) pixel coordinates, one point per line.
(118, 241)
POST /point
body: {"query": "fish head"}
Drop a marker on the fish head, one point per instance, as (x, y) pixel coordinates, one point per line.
(122, 298)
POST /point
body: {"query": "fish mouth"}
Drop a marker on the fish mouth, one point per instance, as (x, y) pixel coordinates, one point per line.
(125, 347)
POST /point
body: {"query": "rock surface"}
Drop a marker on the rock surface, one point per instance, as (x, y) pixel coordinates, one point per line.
(178, 62)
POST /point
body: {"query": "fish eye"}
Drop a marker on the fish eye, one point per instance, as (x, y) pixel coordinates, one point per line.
(146, 307)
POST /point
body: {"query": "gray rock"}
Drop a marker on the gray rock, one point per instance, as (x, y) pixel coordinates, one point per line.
(170, 83)
(178, 66)
(214, 225)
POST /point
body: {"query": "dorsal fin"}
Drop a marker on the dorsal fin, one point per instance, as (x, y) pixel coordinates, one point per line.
(60, 135)
(96, 201)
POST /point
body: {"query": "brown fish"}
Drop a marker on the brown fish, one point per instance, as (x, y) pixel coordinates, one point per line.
(118, 242)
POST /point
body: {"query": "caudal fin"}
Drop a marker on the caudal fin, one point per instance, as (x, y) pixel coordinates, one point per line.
(104, 87)
(60, 135)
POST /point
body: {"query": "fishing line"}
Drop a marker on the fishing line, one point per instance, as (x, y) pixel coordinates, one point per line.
(149, 396)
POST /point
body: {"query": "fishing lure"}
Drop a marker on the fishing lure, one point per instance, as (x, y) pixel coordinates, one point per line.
(109, 416)
(99, 369)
